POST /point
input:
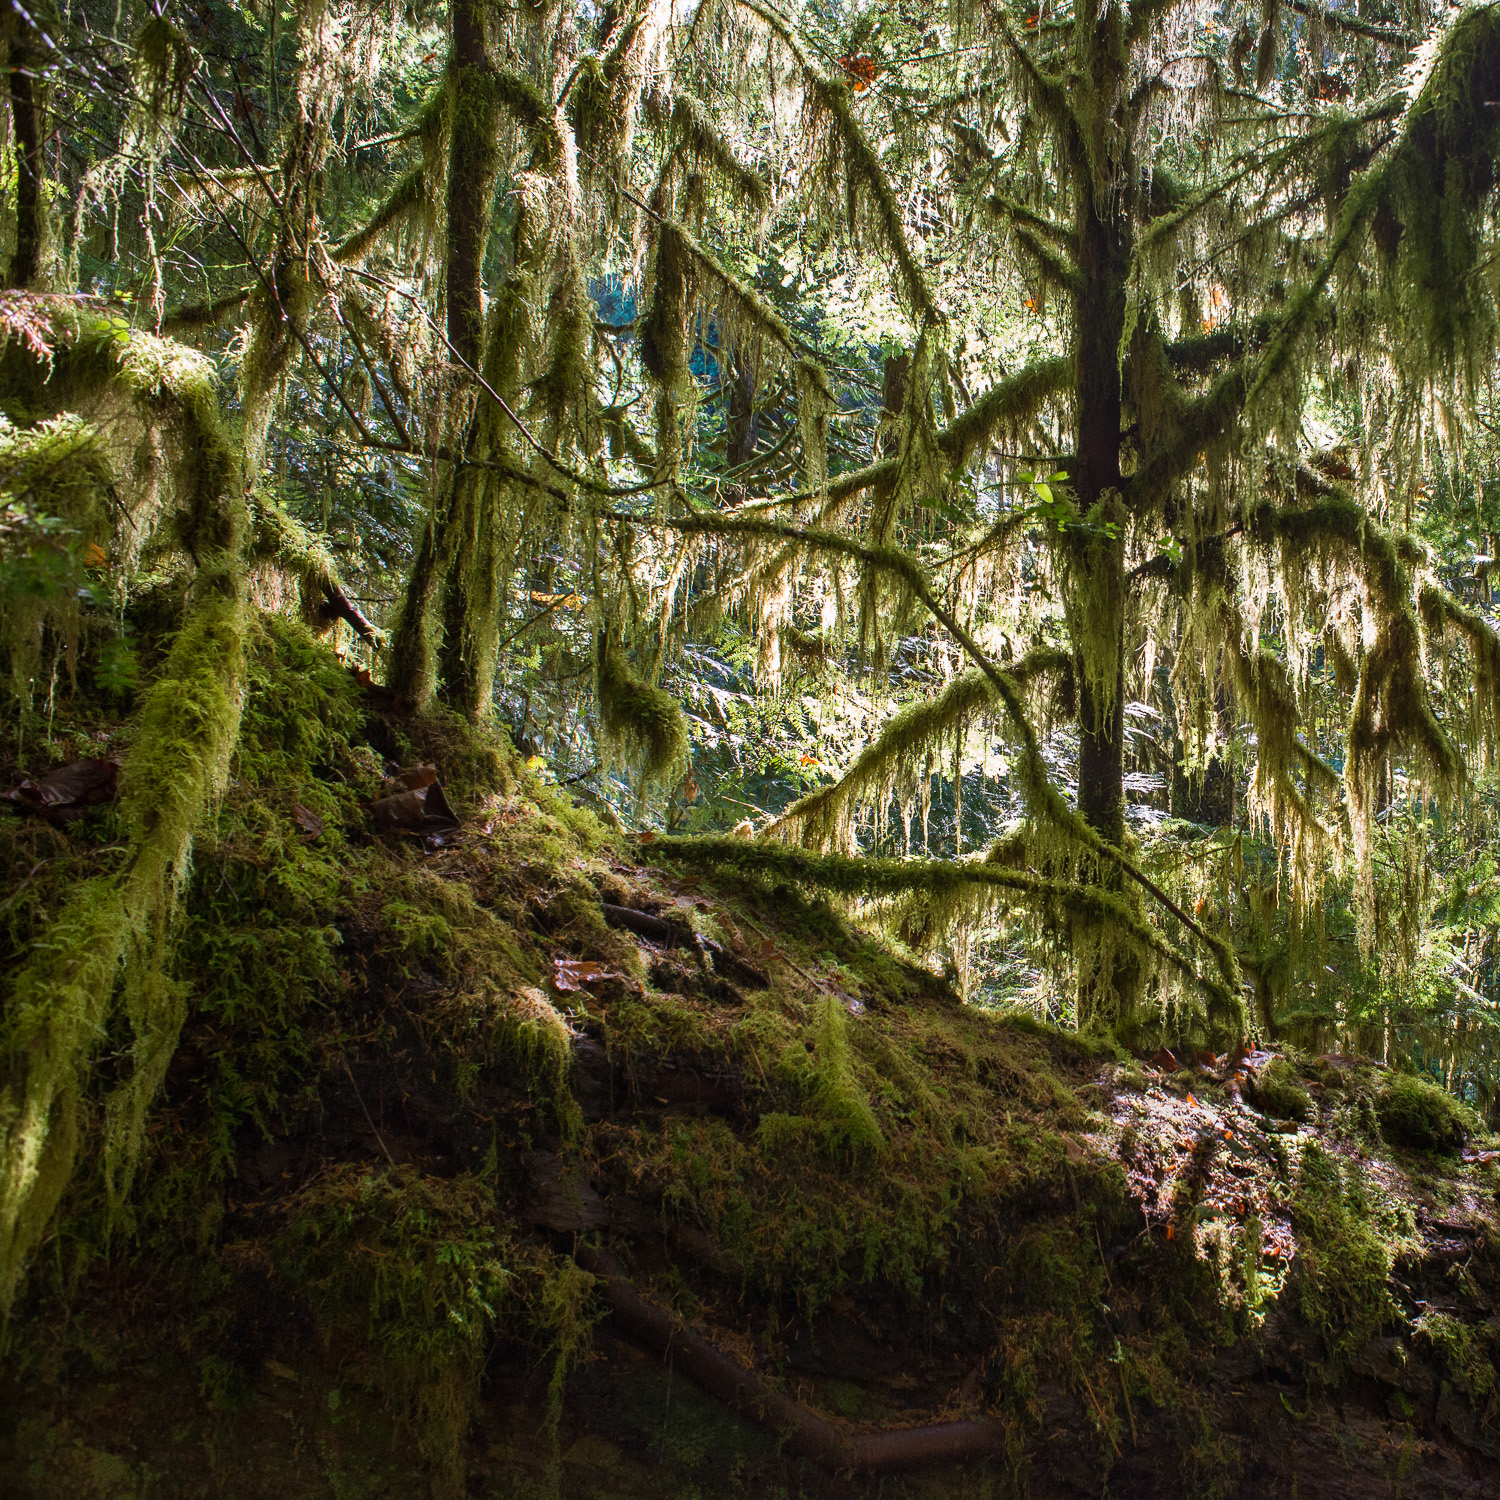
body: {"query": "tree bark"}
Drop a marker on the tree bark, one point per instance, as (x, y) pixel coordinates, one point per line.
(25, 120)
(473, 159)
(427, 650)
(1096, 605)
(742, 423)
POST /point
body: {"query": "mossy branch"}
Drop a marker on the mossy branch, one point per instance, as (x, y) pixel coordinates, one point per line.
(1044, 801)
(940, 880)
(1056, 269)
(818, 819)
(1061, 236)
(963, 442)
(1442, 613)
(691, 127)
(404, 202)
(747, 304)
(116, 927)
(1015, 399)
(861, 164)
(284, 541)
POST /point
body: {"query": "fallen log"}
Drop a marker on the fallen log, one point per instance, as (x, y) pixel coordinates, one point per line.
(679, 935)
(801, 1431)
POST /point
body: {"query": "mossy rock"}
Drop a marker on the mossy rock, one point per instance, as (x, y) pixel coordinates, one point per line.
(1279, 1094)
(1415, 1113)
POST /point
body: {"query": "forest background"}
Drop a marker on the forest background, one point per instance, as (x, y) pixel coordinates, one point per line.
(1030, 470)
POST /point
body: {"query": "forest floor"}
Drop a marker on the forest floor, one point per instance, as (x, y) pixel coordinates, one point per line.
(504, 1154)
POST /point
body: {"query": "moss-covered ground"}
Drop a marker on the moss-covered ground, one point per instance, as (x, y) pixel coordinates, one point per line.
(420, 1075)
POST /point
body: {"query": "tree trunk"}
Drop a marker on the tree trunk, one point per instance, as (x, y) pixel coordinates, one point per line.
(1096, 587)
(25, 119)
(426, 649)
(1101, 756)
(1207, 798)
(742, 422)
(895, 377)
(473, 161)
(1109, 973)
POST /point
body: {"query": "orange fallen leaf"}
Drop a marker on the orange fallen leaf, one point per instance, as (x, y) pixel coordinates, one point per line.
(571, 974)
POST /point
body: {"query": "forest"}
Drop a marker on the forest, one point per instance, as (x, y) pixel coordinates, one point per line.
(750, 748)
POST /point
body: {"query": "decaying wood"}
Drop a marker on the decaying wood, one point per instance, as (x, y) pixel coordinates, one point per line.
(802, 1432)
(679, 935)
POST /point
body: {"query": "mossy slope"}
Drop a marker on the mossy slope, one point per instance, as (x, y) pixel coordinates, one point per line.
(412, 1081)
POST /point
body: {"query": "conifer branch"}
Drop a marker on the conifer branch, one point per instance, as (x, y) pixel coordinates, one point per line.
(406, 199)
(1343, 20)
(1046, 801)
(940, 879)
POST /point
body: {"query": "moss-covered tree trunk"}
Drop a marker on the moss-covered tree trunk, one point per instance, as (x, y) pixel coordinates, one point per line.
(25, 115)
(1096, 588)
(432, 640)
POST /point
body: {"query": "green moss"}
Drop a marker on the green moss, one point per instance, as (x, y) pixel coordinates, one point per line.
(842, 1103)
(637, 719)
(412, 1267)
(1470, 1358)
(108, 945)
(1345, 1264)
(1278, 1092)
(1415, 1113)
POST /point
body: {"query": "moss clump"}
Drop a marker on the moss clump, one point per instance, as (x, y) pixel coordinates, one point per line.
(1415, 1113)
(1470, 1356)
(638, 719)
(414, 1265)
(841, 1101)
(1342, 1289)
(1279, 1094)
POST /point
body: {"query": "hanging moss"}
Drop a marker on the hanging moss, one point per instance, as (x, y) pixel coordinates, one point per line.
(164, 64)
(695, 133)
(1428, 220)
(636, 719)
(900, 758)
(58, 476)
(948, 887)
(814, 406)
(108, 944)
